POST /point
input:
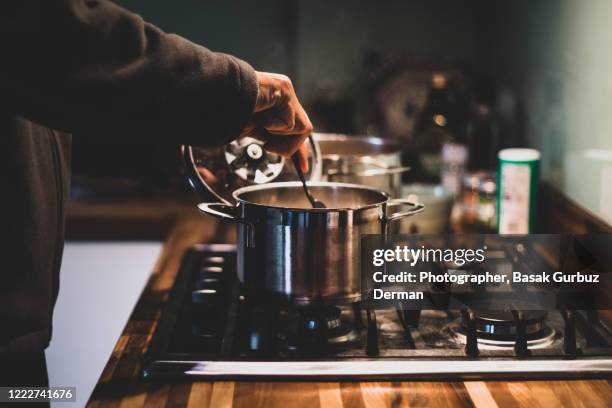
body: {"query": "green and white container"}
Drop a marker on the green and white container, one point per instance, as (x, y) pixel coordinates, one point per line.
(517, 192)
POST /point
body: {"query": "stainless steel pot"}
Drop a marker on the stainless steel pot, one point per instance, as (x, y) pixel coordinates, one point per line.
(302, 254)
(366, 160)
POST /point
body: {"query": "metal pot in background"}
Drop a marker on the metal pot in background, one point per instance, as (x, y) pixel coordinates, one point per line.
(365, 160)
(305, 255)
(436, 219)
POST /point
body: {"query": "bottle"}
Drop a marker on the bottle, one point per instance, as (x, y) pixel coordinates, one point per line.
(487, 206)
(454, 160)
(482, 138)
(478, 203)
(517, 192)
(435, 127)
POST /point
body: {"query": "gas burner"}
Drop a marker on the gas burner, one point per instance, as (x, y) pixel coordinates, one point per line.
(499, 329)
(315, 328)
(208, 330)
(502, 324)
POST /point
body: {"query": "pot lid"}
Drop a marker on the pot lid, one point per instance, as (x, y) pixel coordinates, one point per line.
(215, 172)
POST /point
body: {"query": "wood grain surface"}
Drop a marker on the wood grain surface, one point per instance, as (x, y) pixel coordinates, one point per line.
(120, 384)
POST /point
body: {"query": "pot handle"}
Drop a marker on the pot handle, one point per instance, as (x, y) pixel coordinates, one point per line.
(415, 209)
(217, 210)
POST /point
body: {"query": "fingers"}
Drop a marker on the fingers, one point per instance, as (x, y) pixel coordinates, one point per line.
(303, 155)
(307, 128)
(267, 98)
(288, 146)
(285, 145)
(286, 119)
(277, 106)
(285, 135)
(279, 119)
(302, 121)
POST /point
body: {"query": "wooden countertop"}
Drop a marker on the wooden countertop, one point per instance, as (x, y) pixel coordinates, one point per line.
(120, 384)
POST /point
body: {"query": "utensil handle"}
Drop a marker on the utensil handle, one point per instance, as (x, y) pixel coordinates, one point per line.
(295, 158)
(216, 210)
(415, 209)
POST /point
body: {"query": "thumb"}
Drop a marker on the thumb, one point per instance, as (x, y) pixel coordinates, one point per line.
(302, 153)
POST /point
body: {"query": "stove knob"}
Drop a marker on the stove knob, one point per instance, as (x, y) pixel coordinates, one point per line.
(471, 343)
(206, 297)
(208, 283)
(520, 343)
(569, 332)
(372, 334)
(212, 260)
(211, 270)
(203, 331)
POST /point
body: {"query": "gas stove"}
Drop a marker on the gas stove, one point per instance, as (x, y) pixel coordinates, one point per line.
(209, 329)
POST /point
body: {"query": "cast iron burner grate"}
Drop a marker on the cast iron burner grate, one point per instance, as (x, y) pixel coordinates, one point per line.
(500, 329)
(315, 330)
(210, 330)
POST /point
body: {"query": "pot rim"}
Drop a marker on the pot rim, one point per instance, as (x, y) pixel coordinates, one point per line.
(393, 147)
(286, 184)
(360, 137)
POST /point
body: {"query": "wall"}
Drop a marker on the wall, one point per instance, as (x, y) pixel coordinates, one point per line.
(320, 43)
(253, 30)
(335, 36)
(558, 54)
(552, 57)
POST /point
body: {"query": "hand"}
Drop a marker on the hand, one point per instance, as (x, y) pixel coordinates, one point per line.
(279, 119)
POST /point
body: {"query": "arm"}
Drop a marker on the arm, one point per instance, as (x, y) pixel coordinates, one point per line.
(91, 66)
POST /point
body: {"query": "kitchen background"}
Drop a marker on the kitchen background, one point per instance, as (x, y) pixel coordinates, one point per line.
(534, 73)
(543, 67)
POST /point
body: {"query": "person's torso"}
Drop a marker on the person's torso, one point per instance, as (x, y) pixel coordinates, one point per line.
(34, 179)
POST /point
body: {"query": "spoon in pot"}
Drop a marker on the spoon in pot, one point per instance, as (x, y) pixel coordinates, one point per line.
(298, 168)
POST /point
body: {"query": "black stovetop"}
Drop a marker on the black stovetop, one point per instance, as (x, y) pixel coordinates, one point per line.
(210, 329)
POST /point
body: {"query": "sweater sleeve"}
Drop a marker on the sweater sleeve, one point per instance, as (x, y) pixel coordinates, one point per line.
(90, 66)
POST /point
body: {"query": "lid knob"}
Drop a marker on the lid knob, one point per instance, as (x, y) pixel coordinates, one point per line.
(254, 151)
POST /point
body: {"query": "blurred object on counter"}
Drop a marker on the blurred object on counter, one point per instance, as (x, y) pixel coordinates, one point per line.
(482, 129)
(438, 205)
(424, 103)
(511, 115)
(454, 161)
(594, 165)
(478, 205)
(400, 89)
(438, 125)
(519, 180)
(366, 160)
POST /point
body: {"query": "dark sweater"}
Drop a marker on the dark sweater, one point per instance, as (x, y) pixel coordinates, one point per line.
(91, 68)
